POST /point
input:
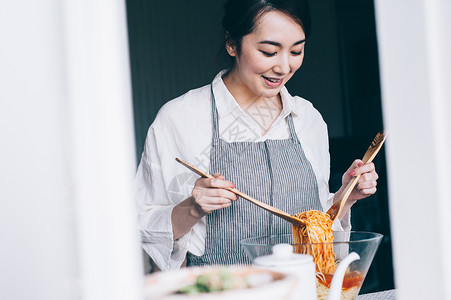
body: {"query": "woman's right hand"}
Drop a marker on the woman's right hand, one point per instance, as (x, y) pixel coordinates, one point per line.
(210, 194)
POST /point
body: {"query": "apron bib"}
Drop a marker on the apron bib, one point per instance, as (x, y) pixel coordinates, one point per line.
(275, 172)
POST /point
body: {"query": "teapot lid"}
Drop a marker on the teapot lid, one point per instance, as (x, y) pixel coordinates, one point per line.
(282, 255)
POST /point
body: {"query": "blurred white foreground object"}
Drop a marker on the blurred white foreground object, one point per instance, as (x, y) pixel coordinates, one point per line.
(415, 63)
(67, 156)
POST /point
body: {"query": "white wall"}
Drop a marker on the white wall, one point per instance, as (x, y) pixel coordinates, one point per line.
(67, 152)
(414, 47)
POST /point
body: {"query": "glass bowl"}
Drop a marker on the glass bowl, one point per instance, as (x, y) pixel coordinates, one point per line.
(364, 244)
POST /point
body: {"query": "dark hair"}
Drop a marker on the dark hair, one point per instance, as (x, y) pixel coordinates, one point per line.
(241, 15)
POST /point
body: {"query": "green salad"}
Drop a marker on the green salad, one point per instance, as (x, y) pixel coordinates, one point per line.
(215, 281)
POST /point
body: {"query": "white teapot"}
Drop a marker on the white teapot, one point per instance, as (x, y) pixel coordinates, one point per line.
(301, 265)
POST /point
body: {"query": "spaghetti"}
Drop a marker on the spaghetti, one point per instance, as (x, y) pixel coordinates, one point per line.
(316, 232)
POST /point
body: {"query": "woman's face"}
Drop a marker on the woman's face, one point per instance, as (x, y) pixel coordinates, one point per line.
(269, 56)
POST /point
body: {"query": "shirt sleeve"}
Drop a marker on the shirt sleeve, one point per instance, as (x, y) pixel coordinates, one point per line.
(154, 210)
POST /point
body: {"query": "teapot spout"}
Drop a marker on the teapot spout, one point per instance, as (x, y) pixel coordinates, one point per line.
(337, 280)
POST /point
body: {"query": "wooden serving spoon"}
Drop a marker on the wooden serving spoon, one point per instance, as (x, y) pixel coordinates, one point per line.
(271, 209)
(335, 210)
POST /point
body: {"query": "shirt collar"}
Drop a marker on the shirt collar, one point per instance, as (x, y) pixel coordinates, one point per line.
(288, 103)
(227, 103)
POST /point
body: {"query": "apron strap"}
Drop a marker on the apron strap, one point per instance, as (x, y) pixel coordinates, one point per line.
(293, 135)
(214, 118)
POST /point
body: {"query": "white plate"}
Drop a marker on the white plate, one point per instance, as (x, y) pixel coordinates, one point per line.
(163, 285)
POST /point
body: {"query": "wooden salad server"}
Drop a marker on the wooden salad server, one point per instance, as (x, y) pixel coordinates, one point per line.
(265, 206)
(370, 154)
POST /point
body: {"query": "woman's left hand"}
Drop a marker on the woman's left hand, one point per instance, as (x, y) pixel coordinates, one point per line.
(366, 186)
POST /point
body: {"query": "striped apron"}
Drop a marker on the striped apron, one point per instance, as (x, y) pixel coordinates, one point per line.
(273, 171)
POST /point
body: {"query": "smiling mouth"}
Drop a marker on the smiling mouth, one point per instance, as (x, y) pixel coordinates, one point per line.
(275, 80)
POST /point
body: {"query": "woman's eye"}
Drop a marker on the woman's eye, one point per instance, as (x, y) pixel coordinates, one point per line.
(296, 53)
(269, 54)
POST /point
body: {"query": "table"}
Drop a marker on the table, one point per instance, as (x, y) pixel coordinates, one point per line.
(384, 295)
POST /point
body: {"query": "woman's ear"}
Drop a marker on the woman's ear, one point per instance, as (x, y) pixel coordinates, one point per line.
(230, 45)
(231, 49)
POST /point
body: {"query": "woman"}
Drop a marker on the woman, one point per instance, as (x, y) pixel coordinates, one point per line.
(247, 130)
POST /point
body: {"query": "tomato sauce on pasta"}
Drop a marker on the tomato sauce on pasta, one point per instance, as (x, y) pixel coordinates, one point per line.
(317, 233)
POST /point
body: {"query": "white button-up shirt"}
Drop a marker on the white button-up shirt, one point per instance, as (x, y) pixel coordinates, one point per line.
(183, 128)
